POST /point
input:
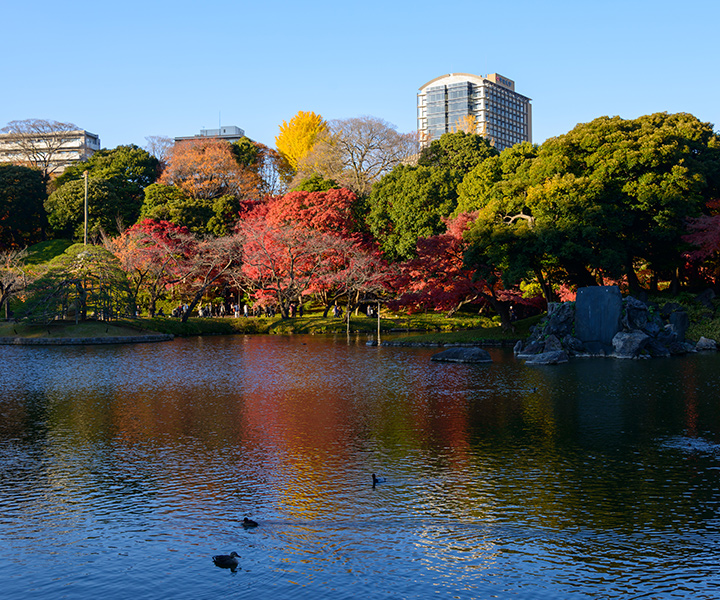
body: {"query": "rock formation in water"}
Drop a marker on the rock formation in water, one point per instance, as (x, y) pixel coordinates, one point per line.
(603, 323)
(459, 354)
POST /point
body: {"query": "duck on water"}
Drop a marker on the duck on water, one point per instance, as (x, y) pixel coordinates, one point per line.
(226, 561)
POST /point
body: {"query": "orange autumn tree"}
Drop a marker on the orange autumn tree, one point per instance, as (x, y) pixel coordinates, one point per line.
(208, 169)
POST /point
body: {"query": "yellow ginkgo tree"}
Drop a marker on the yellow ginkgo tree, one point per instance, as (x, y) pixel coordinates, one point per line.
(298, 136)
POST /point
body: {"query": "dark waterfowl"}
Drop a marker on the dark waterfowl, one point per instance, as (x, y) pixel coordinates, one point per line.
(248, 523)
(377, 480)
(226, 561)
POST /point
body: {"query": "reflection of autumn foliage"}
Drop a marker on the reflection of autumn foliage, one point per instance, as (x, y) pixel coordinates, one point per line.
(206, 168)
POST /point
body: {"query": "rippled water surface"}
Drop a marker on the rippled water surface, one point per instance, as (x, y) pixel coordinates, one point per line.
(124, 469)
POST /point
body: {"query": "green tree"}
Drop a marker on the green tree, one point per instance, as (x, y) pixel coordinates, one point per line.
(315, 183)
(461, 151)
(83, 282)
(22, 212)
(602, 199)
(129, 169)
(408, 203)
(108, 209)
(170, 203)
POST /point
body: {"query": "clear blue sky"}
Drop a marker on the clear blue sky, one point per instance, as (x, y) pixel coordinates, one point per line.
(127, 70)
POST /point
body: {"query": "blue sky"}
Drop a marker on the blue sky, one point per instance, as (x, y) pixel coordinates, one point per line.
(131, 69)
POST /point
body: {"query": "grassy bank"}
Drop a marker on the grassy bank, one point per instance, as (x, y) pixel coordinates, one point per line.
(440, 326)
(310, 324)
(68, 329)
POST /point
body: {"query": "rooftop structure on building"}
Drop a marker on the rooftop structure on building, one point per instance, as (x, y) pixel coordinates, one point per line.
(229, 133)
(51, 151)
(488, 105)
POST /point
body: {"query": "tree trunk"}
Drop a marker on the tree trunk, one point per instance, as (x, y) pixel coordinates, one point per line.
(545, 286)
(347, 316)
(502, 308)
(633, 282)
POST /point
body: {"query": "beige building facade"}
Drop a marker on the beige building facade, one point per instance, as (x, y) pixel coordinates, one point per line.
(51, 151)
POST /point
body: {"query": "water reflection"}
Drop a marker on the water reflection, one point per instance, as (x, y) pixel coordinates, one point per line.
(593, 479)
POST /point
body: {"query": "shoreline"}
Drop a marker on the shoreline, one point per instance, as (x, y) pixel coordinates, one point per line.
(85, 341)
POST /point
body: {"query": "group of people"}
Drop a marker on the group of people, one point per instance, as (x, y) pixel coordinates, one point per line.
(245, 310)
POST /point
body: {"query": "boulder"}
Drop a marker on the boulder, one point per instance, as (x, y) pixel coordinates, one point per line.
(681, 321)
(548, 358)
(561, 319)
(636, 314)
(533, 347)
(552, 344)
(574, 345)
(629, 345)
(706, 298)
(598, 313)
(657, 349)
(667, 336)
(705, 345)
(669, 308)
(463, 355)
(654, 325)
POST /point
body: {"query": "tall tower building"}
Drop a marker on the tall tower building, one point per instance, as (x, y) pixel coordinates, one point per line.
(488, 105)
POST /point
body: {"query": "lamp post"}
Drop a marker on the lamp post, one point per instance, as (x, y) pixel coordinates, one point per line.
(85, 175)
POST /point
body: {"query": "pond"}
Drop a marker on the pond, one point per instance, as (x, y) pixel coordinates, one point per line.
(125, 468)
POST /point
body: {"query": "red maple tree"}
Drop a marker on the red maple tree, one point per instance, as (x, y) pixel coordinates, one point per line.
(437, 279)
(155, 255)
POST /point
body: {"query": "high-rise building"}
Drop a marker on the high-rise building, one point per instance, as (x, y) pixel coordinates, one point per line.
(488, 105)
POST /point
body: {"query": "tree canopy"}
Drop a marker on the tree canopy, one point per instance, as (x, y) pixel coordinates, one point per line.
(297, 137)
(357, 152)
(108, 209)
(22, 213)
(601, 200)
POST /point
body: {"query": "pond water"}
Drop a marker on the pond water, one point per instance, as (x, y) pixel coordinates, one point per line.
(123, 469)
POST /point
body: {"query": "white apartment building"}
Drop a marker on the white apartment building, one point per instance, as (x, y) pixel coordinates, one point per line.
(229, 133)
(51, 151)
(448, 103)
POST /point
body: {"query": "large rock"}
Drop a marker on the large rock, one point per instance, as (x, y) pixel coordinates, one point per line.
(636, 314)
(629, 345)
(681, 321)
(657, 349)
(706, 344)
(598, 314)
(560, 319)
(464, 355)
(552, 344)
(548, 358)
(706, 298)
(533, 347)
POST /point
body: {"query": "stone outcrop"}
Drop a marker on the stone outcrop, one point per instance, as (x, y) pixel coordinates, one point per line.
(704, 345)
(464, 355)
(597, 317)
(554, 357)
(601, 323)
